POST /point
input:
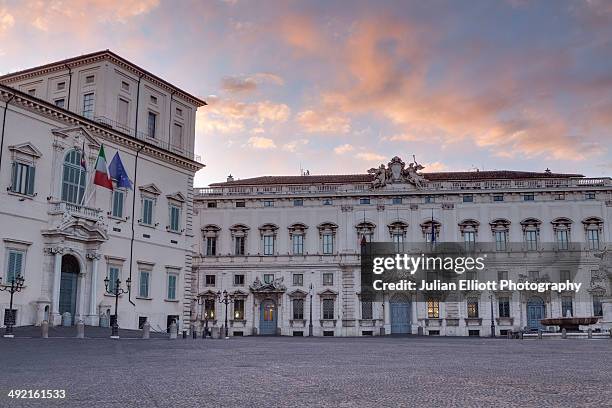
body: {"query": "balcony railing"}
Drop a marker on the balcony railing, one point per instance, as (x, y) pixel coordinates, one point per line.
(76, 211)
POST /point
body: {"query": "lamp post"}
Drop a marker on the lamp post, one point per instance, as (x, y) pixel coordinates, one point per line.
(201, 301)
(16, 286)
(116, 291)
(492, 317)
(310, 316)
(226, 299)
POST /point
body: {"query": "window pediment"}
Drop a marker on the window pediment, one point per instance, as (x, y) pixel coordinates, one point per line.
(328, 293)
(177, 197)
(150, 189)
(297, 294)
(25, 149)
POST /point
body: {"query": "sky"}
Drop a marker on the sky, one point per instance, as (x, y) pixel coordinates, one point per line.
(338, 87)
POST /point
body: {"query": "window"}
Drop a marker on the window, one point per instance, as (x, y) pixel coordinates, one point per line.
(560, 196)
(175, 218)
(501, 240)
(88, 105)
(565, 276)
(10, 316)
(60, 103)
(268, 243)
(179, 112)
(238, 309)
(239, 245)
(125, 86)
(328, 243)
(268, 203)
(238, 280)
(151, 125)
(240, 204)
(472, 307)
(429, 199)
(177, 135)
(328, 309)
(468, 198)
(298, 309)
(89, 79)
(597, 306)
(433, 308)
(73, 178)
(209, 308)
(298, 202)
(589, 196)
(396, 200)
(498, 198)
(528, 197)
(210, 280)
(502, 275)
(153, 100)
(61, 86)
(469, 239)
(141, 321)
(531, 240)
(113, 275)
(143, 288)
(327, 201)
(366, 309)
(211, 246)
(268, 277)
(567, 309)
(14, 265)
(147, 211)
(398, 240)
(298, 279)
(211, 204)
(504, 306)
(364, 201)
(22, 179)
(593, 238)
(122, 111)
(328, 279)
(297, 241)
(534, 275)
(32, 92)
(172, 281)
(562, 237)
(118, 200)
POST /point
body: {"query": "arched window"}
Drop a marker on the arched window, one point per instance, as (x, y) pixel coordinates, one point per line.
(73, 178)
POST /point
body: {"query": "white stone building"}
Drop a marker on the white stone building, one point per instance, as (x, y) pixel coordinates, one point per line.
(63, 234)
(284, 244)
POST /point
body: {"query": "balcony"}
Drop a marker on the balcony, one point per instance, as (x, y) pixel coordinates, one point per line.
(65, 209)
(76, 222)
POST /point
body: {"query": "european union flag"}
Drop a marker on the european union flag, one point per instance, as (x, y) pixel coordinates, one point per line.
(117, 172)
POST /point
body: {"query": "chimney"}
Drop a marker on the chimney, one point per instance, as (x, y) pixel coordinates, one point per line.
(230, 178)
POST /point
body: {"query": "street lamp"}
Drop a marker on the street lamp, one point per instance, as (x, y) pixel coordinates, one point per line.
(201, 301)
(310, 317)
(116, 291)
(492, 317)
(226, 299)
(16, 286)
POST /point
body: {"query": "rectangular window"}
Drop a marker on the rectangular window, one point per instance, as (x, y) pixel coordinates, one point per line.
(501, 240)
(298, 203)
(597, 306)
(531, 240)
(88, 105)
(498, 198)
(239, 245)
(210, 280)
(565, 276)
(268, 277)
(89, 79)
(211, 204)
(113, 275)
(328, 309)
(298, 244)
(122, 111)
(143, 289)
(151, 125)
(528, 197)
(240, 204)
(298, 279)
(327, 201)
(177, 135)
(328, 279)
(562, 237)
(589, 196)
(534, 275)
(175, 218)
(125, 86)
(567, 309)
(268, 203)
(366, 309)
(172, 281)
(22, 179)
(211, 246)
(153, 100)
(209, 308)
(60, 103)
(396, 200)
(141, 321)
(238, 309)
(472, 308)
(433, 308)
(560, 196)
(364, 201)
(502, 275)
(429, 199)
(328, 243)
(61, 86)
(179, 112)
(268, 242)
(147, 211)
(298, 309)
(238, 280)
(14, 265)
(398, 240)
(118, 200)
(593, 238)
(504, 306)
(468, 198)
(469, 239)
(32, 92)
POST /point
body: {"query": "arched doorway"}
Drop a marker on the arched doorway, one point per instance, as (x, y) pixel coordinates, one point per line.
(536, 311)
(68, 285)
(267, 317)
(400, 314)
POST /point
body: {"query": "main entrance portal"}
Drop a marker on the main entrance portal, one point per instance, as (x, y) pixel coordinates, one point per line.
(400, 314)
(267, 317)
(68, 285)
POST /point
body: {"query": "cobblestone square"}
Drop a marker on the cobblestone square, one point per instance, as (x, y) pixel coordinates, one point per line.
(334, 372)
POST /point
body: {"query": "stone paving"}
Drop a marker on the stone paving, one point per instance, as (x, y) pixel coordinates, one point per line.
(330, 372)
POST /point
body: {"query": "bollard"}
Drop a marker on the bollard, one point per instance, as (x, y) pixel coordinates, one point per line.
(184, 334)
(44, 327)
(173, 331)
(146, 330)
(590, 333)
(194, 332)
(80, 330)
(564, 333)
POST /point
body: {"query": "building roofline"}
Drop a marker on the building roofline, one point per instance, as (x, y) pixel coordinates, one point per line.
(108, 54)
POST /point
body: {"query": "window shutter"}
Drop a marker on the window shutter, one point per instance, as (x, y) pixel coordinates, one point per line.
(31, 175)
(13, 177)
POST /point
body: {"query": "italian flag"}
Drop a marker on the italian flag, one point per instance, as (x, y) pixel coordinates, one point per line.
(101, 177)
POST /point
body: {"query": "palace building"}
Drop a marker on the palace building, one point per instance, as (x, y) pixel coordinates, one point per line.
(287, 248)
(63, 234)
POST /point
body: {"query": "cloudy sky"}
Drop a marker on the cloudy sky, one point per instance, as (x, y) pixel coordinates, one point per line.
(339, 86)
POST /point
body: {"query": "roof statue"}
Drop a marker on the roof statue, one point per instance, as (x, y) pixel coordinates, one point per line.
(397, 172)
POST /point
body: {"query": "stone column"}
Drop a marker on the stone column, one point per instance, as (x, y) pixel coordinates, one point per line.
(80, 313)
(93, 313)
(387, 316)
(55, 317)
